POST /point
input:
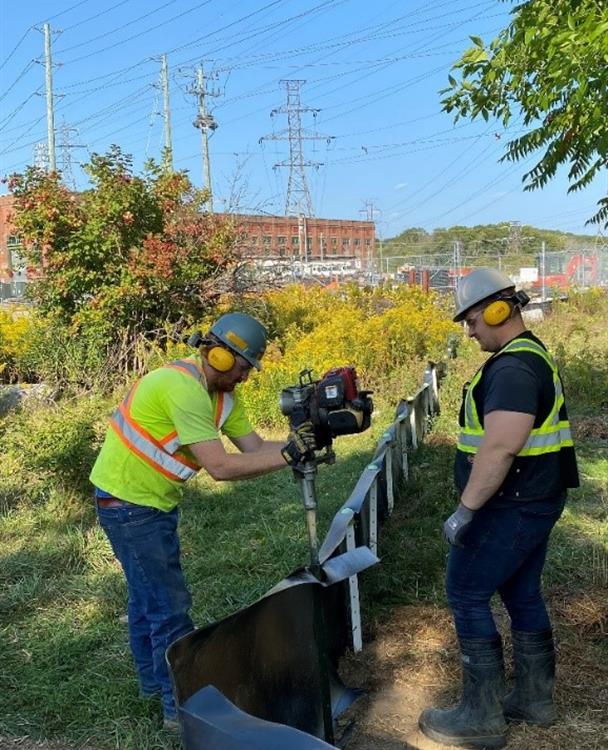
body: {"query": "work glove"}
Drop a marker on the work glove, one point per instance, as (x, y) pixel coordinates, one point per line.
(457, 525)
(301, 444)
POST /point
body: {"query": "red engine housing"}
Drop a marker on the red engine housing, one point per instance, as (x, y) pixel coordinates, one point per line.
(349, 378)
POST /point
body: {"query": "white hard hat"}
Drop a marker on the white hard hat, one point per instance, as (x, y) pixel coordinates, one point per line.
(477, 286)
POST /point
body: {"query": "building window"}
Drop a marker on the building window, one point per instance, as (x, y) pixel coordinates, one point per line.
(281, 240)
(266, 239)
(357, 242)
(13, 241)
(334, 242)
(368, 242)
(254, 239)
(295, 241)
(345, 242)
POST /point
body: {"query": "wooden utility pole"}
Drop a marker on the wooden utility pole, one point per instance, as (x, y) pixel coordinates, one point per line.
(50, 115)
(168, 153)
(204, 122)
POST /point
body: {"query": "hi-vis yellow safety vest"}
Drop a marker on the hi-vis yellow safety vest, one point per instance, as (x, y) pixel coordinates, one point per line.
(552, 435)
(163, 454)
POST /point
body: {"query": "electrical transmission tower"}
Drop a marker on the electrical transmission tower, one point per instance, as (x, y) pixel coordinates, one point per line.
(369, 210)
(41, 156)
(298, 201)
(66, 135)
(515, 237)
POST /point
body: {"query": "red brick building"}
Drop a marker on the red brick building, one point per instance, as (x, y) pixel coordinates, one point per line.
(306, 246)
(307, 240)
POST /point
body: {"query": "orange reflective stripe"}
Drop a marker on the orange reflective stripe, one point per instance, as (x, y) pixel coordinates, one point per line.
(142, 455)
(162, 453)
(168, 438)
(138, 428)
(186, 461)
(187, 367)
(141, 445)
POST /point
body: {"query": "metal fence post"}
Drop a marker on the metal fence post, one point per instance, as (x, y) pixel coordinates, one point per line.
(373, 517)
(390, 489)
(353, 596)
(413, 428)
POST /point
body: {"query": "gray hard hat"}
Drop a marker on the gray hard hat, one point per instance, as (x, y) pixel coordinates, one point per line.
(242, 334)
(480, 284)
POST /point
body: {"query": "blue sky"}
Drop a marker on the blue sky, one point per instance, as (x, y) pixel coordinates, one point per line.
(373, 71)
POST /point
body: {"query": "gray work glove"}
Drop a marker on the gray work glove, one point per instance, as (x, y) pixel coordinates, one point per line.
(301, 444)
(457, 524)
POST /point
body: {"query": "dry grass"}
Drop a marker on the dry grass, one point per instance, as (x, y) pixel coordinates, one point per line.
(413, 663)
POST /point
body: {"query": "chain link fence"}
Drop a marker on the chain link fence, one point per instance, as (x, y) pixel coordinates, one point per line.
(546, 274)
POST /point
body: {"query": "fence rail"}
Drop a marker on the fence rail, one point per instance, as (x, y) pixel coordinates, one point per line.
(356, 524)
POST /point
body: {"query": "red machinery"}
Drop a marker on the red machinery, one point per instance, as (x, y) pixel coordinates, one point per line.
(581, 270)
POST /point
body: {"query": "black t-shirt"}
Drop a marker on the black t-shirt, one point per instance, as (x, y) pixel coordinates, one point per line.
(521, 382)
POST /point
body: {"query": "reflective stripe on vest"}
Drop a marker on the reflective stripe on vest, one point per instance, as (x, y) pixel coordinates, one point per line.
(225, 401)
(554, 433)
(161, 454)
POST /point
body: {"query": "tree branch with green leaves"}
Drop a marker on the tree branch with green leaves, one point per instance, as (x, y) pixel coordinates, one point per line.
(549, 67)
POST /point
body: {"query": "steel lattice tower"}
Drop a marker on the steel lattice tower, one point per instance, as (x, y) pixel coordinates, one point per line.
(298, 201)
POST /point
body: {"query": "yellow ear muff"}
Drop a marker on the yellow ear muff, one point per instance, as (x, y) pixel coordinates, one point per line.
(220, 359)
(497, 312)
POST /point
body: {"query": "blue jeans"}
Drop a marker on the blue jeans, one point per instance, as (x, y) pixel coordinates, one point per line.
(504, 551)
(146, 543)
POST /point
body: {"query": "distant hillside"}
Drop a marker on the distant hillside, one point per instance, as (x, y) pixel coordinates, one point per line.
(489, 240)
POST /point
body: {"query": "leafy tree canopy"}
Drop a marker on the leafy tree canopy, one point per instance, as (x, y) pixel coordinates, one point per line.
(549, 67)
(131, 256)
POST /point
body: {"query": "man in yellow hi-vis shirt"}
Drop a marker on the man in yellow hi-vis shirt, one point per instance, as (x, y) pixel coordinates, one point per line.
(165, 431)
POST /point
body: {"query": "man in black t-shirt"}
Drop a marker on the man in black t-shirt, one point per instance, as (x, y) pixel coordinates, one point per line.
(514, 463)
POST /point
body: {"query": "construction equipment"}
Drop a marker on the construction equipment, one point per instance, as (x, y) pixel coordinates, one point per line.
(561, 272)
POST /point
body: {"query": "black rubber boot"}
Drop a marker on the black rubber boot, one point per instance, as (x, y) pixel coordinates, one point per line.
(477, 721)
(531, 700)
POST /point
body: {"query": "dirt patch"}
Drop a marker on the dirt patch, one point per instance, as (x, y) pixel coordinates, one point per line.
(594, 428)
(413, 663)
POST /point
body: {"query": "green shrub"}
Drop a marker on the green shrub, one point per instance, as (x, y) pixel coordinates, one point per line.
(47, 448)
(386, 333)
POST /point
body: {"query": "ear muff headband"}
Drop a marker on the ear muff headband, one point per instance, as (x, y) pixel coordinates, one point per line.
(220, 359)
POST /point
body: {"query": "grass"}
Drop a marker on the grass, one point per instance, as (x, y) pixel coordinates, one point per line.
(66, 669)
